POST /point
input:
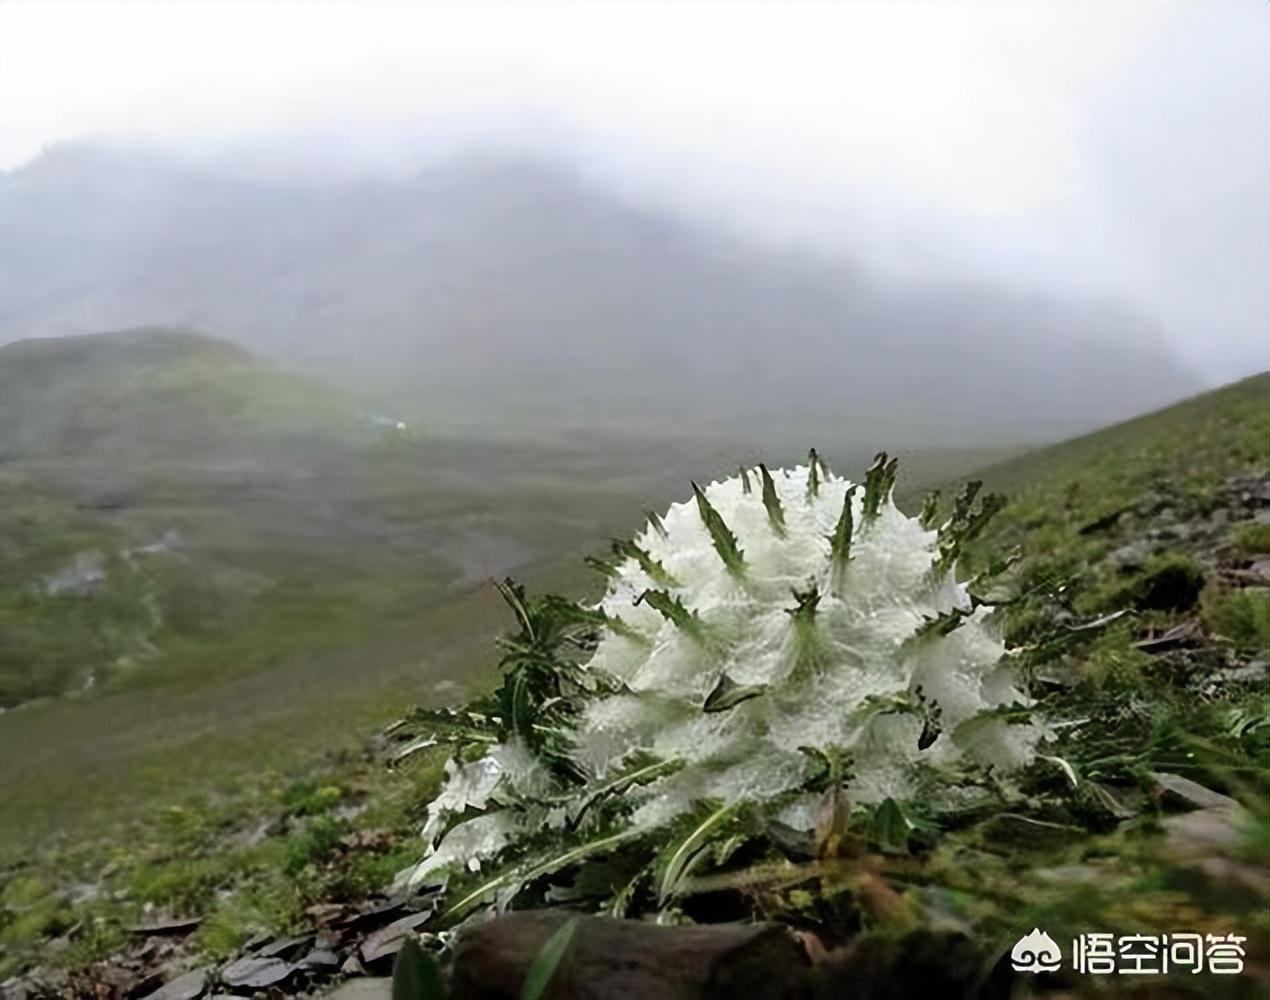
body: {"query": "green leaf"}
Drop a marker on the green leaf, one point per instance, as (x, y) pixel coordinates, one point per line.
(618, 626)
(724, 541)
(728, 694)
(879, 481)
(745, 481)
(965, 523)
(840, 542)
(514, 594)
(930, 509)
(642, 771)
(655, 571)
(832, 766)
(602, 566)
(673, 610)
(445, 725)
(527, 873)
(621, 901)
(544, 966)
(772, 502)
(942, 625)
(415, 973)
(658, 524)
(890, 827)
(679, 861)
(813, 474)
(874, 705)
(808, 600)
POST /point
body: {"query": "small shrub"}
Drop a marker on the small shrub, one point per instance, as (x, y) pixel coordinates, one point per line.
(181, 883)
(243, 914)
(315, 843)
(1114, 662)
(1243, 617)
(1252, 539)
(307, 798)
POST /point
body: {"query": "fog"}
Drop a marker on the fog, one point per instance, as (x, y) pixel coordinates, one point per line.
(1073, 192)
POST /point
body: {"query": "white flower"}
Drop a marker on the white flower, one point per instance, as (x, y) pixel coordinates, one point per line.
(852, 671)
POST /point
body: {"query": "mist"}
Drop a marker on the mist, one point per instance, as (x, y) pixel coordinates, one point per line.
(960, 201)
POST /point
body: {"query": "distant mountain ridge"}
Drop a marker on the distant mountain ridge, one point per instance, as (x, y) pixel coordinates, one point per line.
(502, 290)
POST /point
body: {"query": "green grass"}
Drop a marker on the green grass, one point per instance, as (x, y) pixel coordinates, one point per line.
(316, 598)
(1242, 617)
(1191, 445)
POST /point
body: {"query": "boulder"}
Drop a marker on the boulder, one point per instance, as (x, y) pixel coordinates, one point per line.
(618, 959)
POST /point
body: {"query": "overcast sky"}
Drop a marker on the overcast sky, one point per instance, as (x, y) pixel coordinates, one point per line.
(1113, 148)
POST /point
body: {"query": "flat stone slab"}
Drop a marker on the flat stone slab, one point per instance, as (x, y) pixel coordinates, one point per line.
(1189, 794)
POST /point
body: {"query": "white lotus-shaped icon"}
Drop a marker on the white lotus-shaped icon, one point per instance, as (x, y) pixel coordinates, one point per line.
(1036, 952)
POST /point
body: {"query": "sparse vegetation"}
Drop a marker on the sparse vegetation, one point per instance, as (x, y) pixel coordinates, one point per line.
(252, 855)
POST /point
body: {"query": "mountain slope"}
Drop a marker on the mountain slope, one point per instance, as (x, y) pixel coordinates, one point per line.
(1190, 445)
(297, 828)
(158, 393)
(504, 290)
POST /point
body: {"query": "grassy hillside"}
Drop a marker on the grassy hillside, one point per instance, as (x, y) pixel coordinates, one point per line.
(157, 393)
(1189, 447)
(197, 784)
(127, 463)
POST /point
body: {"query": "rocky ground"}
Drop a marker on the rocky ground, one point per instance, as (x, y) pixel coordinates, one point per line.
(1165, 849)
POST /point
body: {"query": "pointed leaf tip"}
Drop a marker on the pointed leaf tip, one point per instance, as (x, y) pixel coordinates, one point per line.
(930, 510)
(808, 600)
(879, 483)
(654, 570)
(673, 610)
(727, 693)
(840, 541)
(775, 514)
(724, 541)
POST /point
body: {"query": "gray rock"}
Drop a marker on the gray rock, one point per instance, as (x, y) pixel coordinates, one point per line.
(256, 972)
(284, 947)
(320, 958)
(1258, 671)
(388, 940)
(1184, 792)
(1204, 831)
(187, 987)
(1131, 556)
(1014, 829)
(19, 989)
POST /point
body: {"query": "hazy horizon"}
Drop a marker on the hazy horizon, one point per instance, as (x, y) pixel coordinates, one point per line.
(1111, 151)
